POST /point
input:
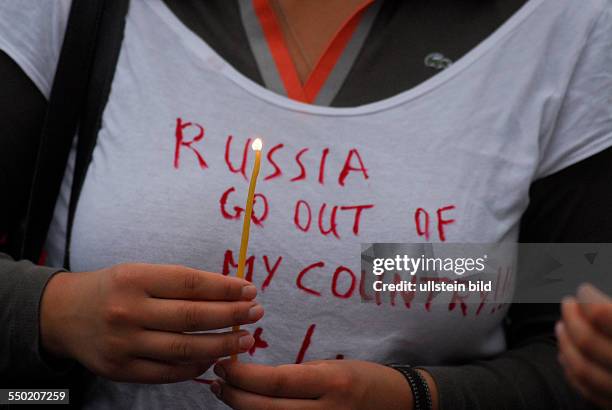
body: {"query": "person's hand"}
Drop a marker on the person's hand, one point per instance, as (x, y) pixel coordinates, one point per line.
(322, 385)
(585, 344)
(127, 322)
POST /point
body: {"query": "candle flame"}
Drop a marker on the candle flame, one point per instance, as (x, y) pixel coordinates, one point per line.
(257, 144)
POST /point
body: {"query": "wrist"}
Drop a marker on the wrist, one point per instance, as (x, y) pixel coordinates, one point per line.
(55, 306)
(402, 397)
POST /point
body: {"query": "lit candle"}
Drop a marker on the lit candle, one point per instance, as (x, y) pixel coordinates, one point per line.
(248, 210)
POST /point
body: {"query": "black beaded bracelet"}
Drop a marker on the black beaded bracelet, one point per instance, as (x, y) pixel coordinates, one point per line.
(418, 385)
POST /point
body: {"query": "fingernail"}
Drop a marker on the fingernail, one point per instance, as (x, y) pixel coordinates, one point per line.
(588, 293)
(249, 292)
(245, 342)
(215, 387)
(255, 312)
(219, 371)
(558, 328)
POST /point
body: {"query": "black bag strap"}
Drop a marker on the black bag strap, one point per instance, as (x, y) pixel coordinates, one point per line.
(60, 124)
(102, 74)
(80, 90)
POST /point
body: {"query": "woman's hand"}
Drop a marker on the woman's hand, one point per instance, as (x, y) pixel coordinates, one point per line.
(585, 344)
(126, 322)
(325, 384)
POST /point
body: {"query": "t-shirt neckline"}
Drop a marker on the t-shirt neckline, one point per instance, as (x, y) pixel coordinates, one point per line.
(203, 51)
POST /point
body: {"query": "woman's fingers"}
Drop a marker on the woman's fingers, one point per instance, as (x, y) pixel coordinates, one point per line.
(591, 343)
(591, 380)
(154, 372)
(588, 377)
(180, 282)
(597, 307)
(289, 381)
(243, 400)
(585, 344)
(593, 395)
(189, 348)
(191, 316)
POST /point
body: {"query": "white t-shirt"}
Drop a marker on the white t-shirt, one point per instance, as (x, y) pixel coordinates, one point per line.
(462, 147)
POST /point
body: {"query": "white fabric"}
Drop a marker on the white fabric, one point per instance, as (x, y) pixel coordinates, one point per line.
(530, 100)
(31, 32)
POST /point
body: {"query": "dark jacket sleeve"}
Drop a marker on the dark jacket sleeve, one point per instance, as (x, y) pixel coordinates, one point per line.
(572, 205)
(21, 288)
(526, 376)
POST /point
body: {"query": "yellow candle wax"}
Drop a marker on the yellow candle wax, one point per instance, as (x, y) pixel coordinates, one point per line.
(246, 223)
